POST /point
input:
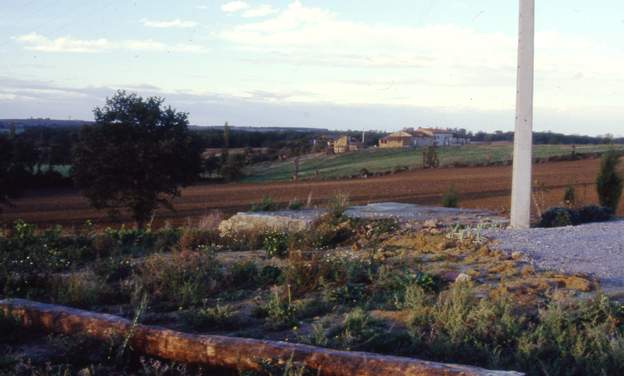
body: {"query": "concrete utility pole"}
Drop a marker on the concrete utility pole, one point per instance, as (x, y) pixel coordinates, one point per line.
(523, 138)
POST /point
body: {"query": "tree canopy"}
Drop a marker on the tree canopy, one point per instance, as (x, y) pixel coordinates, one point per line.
(18, 158)
(609, 183)
(137, 156)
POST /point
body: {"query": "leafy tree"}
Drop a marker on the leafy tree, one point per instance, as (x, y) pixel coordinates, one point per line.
(25, 154)
(136, 156)
(232, 168)
(569, 196)
(609, 182)
(18, 158)
(211, 164)
(450, 199)
(7, 183)
(430, 158)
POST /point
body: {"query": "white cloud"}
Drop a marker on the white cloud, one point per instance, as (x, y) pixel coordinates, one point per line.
(21, 98)
(234, 6)
(177, 23)
(299, 28)
(37, 42)
(439, 66)
(259, 11)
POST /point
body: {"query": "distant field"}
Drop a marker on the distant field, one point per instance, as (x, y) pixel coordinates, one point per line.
(382, 160)
(478, 187)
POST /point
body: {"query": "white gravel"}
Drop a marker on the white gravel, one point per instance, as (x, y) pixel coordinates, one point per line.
(596, 249)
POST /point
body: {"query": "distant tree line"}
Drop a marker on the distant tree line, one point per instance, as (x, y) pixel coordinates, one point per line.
(139, 153)
(32, 159)
(546, 138)
(36, 156)
(43, 150)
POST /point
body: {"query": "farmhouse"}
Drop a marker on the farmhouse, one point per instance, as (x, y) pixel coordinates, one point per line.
(443, 137)
(346, 144)
(422, 137)
(400, 139)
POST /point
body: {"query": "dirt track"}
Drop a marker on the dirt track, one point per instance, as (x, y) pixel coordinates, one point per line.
(480, 187)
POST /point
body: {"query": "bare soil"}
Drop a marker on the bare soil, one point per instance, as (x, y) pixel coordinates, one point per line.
(478, 187)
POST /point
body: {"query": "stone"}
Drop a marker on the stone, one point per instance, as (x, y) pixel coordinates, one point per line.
(463, 278)
(285, 221)
(430, 217)
(449, 275)
(517, 255)
(431, 223)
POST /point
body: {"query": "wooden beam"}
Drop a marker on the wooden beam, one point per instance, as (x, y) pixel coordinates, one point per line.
(225, 352)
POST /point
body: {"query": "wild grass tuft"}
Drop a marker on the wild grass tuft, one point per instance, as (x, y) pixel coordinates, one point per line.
(219, 317)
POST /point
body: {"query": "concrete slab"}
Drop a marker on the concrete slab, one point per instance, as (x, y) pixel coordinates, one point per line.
(300, 220)
(420, 213)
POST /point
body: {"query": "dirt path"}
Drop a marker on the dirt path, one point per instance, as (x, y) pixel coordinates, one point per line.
(481, 187)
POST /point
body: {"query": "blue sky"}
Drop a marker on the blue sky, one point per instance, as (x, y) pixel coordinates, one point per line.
(331, 64)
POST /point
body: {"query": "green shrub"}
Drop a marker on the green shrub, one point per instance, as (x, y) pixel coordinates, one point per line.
(10, 328)
(280, 312)
(275, 244)
(270, 275)
(462, 328)
(248, 240)
(295, 205)
(135, 242)
(311, 307)
(265, 205)
(371, 229)
(450, 199)
(193, 239)
(23, 230)
(391, 284)
(328, 232)
(569, 196)
(593, 213)
(317, 336)
(243, 274)
(337, 205)
(350, 294)
(346, 267)
(217, 317)
(83, 289)
(414, 298)
(566, 337)
(558, 217)
(185, 278)
(574, 338)
(609, 182)
(430, 158)
(113, 269)
(361, 332)
(302, 274)
(358, 328)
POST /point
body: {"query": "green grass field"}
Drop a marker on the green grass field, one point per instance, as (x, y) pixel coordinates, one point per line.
(382, 160)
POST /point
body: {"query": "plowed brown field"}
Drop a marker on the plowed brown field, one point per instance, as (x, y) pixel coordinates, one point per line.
(479, 187)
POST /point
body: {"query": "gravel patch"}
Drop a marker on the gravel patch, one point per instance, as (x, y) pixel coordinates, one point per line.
(596, 249)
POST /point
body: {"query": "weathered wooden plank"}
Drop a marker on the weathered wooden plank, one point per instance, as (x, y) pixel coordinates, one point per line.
(225, 352)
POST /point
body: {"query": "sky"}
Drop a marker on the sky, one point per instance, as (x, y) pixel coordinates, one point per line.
(348, 64)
